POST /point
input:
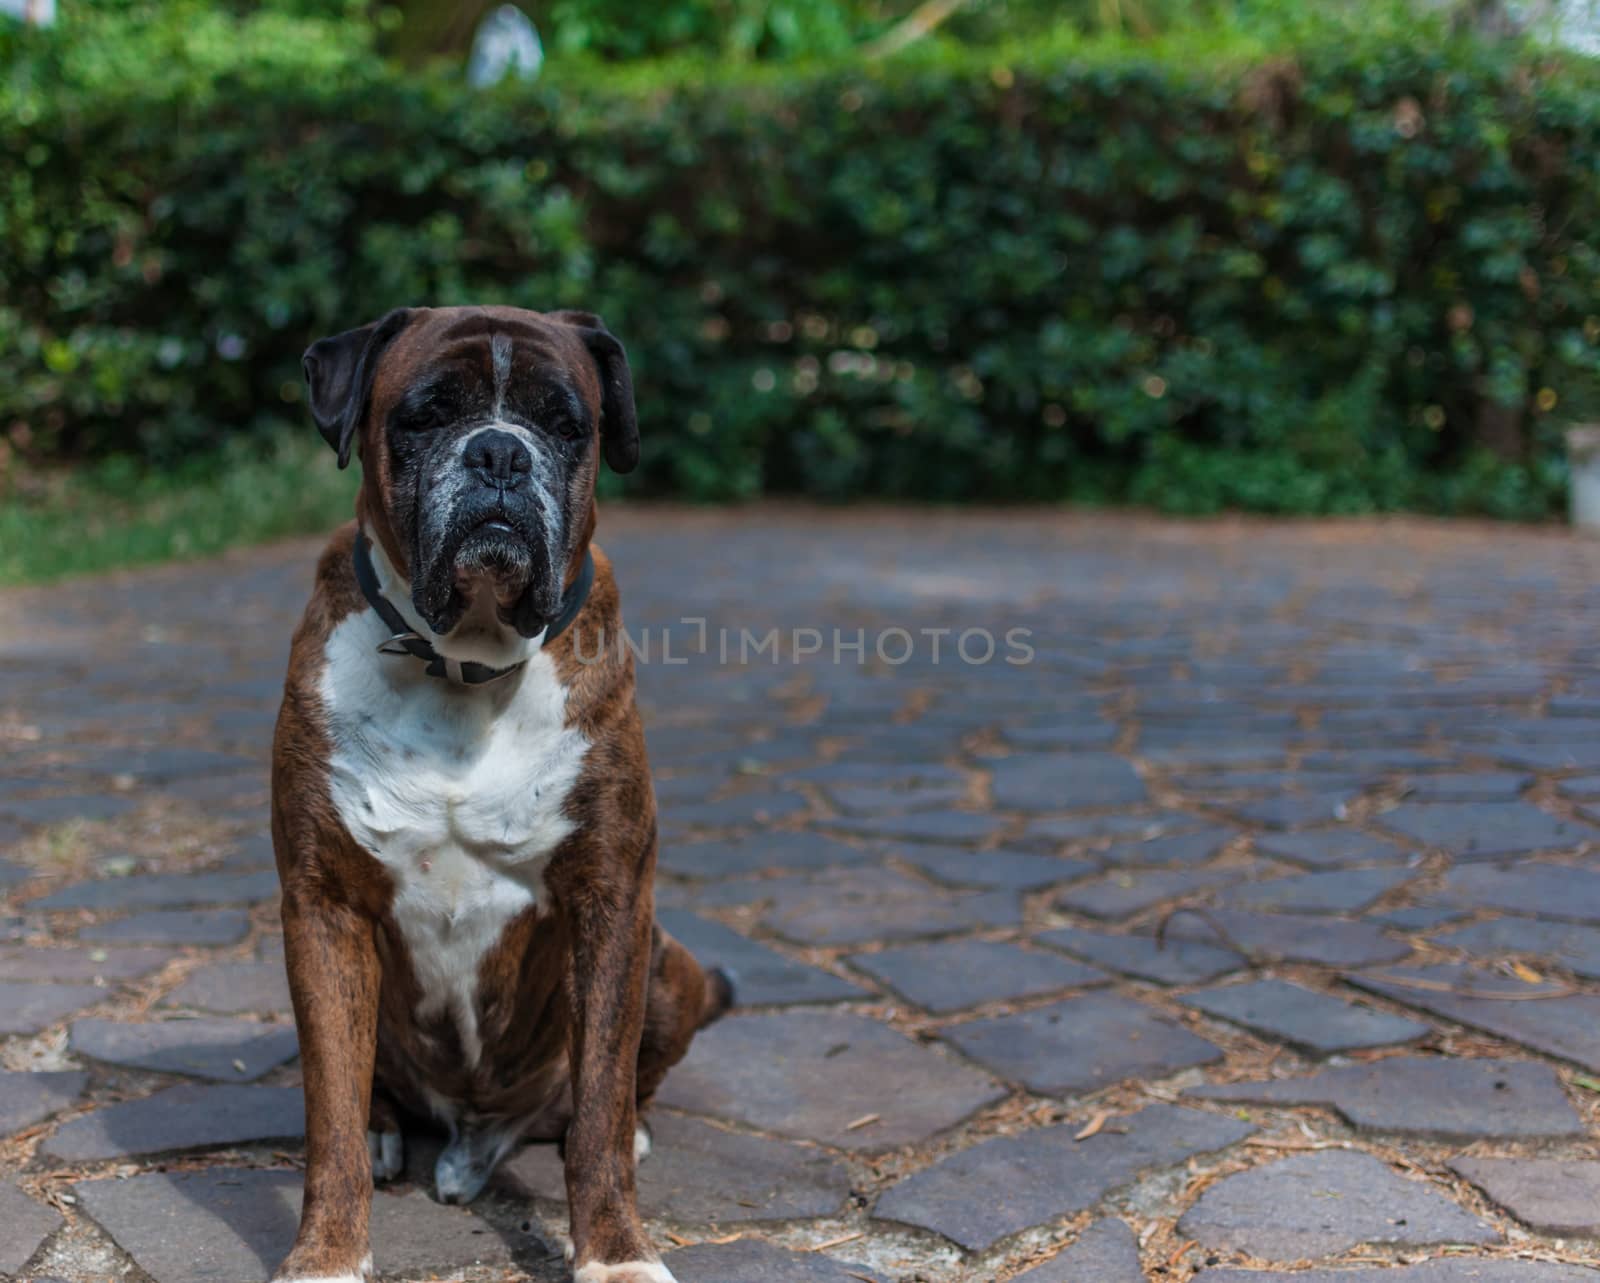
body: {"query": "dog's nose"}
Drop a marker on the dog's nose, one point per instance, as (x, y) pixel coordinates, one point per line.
(499, 458)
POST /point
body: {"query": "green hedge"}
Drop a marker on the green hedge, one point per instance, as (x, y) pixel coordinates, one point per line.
(1353, 275)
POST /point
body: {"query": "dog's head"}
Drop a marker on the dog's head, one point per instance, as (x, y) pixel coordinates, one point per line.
(480, 431)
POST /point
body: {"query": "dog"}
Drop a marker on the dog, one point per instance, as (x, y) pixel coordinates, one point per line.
(462, 812)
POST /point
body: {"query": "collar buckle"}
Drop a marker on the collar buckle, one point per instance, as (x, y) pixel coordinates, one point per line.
(396, 645)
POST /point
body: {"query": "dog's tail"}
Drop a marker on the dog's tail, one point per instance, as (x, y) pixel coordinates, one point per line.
(721, 994)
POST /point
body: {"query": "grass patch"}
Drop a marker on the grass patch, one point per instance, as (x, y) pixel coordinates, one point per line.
(120, 513)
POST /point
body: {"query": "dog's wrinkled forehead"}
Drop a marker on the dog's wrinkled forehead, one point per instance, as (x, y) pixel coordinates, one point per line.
(463, 368)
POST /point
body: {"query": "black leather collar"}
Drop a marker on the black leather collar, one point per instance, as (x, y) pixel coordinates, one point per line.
(410, 642)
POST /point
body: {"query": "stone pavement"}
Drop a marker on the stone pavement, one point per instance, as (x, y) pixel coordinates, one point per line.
(1354, 769)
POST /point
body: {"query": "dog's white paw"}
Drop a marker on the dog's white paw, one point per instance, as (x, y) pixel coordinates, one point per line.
(362, 1274)
(641, 1143)
(388, 1151)
(325, 1278)
(627, 1272)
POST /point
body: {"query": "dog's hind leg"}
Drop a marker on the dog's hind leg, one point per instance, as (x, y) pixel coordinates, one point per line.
(682, 999)
(385, 1142)
(467, 1162)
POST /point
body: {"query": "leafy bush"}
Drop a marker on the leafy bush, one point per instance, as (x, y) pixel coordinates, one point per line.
(1349, 274)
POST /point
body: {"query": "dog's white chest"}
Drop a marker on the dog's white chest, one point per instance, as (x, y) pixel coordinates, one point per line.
(459, 791)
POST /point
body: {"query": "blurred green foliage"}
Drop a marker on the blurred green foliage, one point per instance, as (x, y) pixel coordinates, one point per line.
(783, 30)
(734, 28)
(118, 512)
(1303, 267)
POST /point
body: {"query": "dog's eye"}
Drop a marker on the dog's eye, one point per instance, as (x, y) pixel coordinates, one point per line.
(428, 418)
(427, 412)
(416, 422)
(567, 428)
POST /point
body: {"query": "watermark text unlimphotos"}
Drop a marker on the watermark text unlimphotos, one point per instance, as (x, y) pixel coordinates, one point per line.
(692, 637)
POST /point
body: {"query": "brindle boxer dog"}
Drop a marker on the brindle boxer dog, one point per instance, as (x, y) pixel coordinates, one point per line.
(461, 807)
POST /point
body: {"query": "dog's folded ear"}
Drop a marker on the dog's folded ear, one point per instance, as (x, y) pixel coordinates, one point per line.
(619, 420)
(339, 372)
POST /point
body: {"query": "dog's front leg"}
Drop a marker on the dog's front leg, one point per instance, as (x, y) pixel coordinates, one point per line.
(333, 977)
(610, 973)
